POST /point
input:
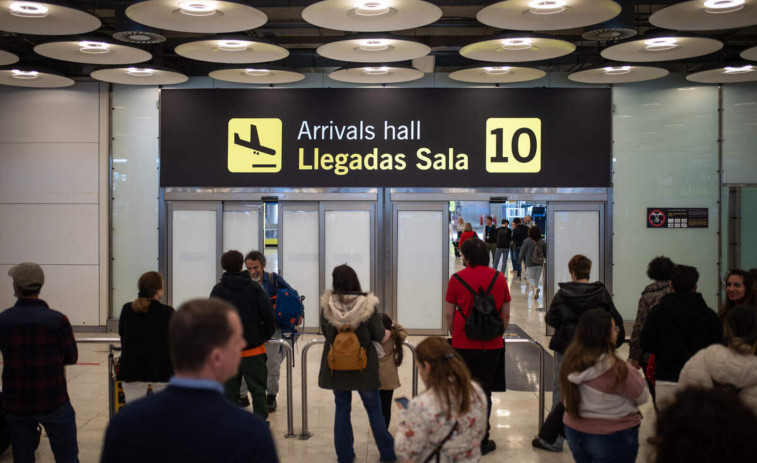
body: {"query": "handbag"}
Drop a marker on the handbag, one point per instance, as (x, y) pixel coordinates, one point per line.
(438, 448)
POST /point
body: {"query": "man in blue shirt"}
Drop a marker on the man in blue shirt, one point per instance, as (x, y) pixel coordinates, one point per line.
(191, 421)
(271, 282)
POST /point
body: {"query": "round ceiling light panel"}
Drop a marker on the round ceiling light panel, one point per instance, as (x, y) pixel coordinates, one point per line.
(373, 50)
(7, 58)
(517, 49)
(92, 52)
(37, 18)
(497, 74)
(27, 77)
(750, 54)
(726, 75)
(232, 50)
(376, 75)
(371, 15)
(651, 49)
(618, 74)
(257, 75)
(706, 15)
(207, 17)
(547, 15)
(146, 75)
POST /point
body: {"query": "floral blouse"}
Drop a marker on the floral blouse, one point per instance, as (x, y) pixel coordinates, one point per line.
(424, 425)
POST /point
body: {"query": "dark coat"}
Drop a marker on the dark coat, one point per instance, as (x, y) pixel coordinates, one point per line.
(570, 302)
(504, 235)
(676, 329)
(144, 343)
(364, 317)
(252, 303)
(520, 233)
(187, 425)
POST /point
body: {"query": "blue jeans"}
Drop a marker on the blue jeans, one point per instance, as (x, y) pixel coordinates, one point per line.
(516, 261)
(618, 447)
(60, 425)
(343, 438)
(500, 253)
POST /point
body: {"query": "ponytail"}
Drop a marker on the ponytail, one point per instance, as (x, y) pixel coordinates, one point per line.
(149, 284)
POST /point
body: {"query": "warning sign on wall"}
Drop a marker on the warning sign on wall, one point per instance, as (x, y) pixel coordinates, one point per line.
(670, 217)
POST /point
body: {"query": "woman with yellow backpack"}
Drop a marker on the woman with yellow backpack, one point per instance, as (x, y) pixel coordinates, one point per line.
(351, 323)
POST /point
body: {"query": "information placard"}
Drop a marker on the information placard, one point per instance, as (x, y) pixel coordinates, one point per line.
(385, 137)
(677, 217)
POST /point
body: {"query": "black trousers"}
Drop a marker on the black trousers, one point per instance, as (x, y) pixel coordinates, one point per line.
(386, 405)
(553, 426)
(486, 367)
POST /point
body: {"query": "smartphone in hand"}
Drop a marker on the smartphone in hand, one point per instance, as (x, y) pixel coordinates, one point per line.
(402, 402)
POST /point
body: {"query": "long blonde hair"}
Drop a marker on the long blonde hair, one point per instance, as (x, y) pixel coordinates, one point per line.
(449, 377)
(149, 284)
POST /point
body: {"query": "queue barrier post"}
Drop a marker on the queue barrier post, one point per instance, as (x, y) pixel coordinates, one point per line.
(290, 392)
(305, 434)
(415, 366)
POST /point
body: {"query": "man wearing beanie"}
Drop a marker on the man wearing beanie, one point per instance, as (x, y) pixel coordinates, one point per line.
(37, 342)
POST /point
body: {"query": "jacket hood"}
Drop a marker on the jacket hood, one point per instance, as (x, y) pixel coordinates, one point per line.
(727, 366)
(580, 297)
(599, 368)
(655, 287)
(350, 309)
(235, 280)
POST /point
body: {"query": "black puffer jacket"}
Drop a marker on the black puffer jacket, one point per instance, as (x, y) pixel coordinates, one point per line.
(252, 303)
(570, 302)
(676, 329)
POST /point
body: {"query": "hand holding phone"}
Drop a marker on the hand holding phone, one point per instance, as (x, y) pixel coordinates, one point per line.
(402, 402)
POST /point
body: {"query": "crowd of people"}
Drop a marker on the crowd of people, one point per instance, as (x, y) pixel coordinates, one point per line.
(182, 370)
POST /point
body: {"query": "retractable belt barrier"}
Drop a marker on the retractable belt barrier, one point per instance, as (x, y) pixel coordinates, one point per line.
(113, 386)
(306, 433)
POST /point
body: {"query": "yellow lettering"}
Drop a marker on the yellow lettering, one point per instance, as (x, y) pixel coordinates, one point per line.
(371, 160)
(302, 165)
(341, 161)
(399, 160)
(356, 162)
(462, 162)
(424, 162)
(327, 161)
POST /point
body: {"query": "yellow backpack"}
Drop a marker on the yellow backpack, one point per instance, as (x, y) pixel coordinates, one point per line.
(346, 353)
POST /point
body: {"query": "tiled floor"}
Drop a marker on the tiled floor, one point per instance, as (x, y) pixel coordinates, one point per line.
(514, 417)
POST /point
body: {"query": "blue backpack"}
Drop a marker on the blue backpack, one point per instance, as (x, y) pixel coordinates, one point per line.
(287, 306)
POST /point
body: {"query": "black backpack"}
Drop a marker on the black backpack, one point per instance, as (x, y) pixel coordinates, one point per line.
(484, 322)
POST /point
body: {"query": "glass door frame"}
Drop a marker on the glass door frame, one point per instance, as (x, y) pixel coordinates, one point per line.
(604, 263)
(327, 206)
(244, 206)
(172, 206)
(433, 206)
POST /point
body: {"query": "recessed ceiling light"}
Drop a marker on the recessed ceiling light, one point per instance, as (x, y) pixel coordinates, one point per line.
(232, 45)
(197, 8)
(28, 10)
(547, 6)
(94, 48)
(376, 71)
(517, 44)
(26, 75)
(140, 72)
(373, 45)
(723, 6)
(257, 72)
(738, 70)
(497, 70)
(616, 71)
(660, 44)
(371, 7)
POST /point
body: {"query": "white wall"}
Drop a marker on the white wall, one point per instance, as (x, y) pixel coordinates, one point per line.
(53, 195)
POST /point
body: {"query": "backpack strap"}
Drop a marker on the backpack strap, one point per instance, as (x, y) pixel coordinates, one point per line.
(438, 448)
(494, 280)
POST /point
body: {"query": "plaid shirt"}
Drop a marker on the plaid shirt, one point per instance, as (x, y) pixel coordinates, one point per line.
(37, 342)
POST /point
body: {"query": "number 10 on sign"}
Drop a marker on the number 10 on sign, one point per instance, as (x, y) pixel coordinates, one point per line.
(513, 145)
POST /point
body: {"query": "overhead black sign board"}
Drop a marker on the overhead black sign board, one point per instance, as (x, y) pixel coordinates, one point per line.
(385, 138)
(677, 217)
